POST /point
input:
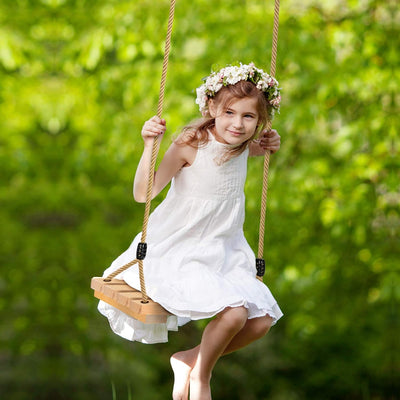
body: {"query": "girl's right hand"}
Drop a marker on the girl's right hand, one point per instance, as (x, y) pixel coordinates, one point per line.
(152, 128)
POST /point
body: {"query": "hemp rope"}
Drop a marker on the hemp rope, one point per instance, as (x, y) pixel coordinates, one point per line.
(154, 152)
(267, 154)
(145, 297)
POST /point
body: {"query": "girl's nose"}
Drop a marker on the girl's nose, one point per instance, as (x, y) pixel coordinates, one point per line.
(238, 123)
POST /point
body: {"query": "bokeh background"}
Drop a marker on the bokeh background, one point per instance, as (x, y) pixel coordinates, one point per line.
(77, 80)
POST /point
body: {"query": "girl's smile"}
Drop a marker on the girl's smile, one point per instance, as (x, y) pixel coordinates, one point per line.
(237, 123)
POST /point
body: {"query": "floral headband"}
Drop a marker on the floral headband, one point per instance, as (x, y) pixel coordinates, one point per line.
(233, 74)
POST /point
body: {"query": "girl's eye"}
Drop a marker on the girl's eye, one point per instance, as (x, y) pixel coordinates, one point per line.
(229, 112)
(249, 116)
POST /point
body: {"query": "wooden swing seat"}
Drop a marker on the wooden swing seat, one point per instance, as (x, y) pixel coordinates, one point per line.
(120, 295)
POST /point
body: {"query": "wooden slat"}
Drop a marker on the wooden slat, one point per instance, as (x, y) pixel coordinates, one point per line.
(128, 300)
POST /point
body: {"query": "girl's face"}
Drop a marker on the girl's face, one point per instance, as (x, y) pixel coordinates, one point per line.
(236, 123)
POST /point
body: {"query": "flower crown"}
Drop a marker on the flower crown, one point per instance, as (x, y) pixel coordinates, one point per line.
(233, 74)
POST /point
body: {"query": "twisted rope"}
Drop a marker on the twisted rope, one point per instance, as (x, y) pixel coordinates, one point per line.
(154, 152)
(267, 154)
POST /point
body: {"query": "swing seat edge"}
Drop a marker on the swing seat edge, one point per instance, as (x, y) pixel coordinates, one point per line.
(120, 295)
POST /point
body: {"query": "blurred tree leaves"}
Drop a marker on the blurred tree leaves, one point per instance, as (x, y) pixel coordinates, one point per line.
(77, 80)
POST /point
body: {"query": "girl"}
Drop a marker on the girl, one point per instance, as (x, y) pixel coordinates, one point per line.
(199, 264)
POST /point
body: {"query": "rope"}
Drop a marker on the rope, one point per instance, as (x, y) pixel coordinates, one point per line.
(267, 154)
(154, 152)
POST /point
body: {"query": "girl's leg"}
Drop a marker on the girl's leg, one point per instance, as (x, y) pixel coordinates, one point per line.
(216, 337)
(253, 330)
(184, 361)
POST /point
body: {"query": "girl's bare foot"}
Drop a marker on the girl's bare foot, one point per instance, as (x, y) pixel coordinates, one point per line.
(181, 366)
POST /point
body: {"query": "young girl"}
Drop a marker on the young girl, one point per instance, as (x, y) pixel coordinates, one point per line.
(199, 264)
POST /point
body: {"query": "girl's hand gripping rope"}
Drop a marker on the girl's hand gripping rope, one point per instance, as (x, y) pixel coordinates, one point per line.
(268, 140)
(152, 128)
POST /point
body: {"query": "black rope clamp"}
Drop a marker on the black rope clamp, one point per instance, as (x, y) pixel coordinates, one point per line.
(141, 251)
(260, 265)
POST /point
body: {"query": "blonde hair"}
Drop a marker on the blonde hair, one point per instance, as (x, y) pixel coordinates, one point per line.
(196, 133)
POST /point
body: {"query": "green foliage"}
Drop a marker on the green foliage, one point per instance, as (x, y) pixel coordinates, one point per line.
(77, 80)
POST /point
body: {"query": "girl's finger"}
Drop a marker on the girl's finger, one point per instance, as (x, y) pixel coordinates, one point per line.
(155, 127)
(270, 133)
(270, 142)
(156, 120)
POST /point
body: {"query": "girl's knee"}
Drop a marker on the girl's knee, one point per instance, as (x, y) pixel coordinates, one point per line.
(235, 317)
(260, 326)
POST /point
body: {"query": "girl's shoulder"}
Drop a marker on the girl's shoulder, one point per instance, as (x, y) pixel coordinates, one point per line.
(185, 148)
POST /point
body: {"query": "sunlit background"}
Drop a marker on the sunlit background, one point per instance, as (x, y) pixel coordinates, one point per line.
(77, 80)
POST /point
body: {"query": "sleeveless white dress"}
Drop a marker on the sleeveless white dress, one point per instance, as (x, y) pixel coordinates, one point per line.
(198, 261)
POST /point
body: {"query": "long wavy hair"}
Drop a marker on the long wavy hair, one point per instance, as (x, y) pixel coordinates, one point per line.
(196, 133)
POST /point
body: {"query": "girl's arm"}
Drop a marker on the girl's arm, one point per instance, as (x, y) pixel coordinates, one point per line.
(269, 140)
(174, 159)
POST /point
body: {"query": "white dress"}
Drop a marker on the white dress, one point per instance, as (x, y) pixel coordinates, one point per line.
(198, 261)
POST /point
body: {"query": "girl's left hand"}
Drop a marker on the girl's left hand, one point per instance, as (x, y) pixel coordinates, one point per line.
(270, 140)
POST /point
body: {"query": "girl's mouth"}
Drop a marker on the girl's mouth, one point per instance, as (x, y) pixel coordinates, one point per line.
(234, 133)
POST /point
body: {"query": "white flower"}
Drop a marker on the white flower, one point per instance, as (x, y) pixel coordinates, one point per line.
(202, 98)
(213, 83)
